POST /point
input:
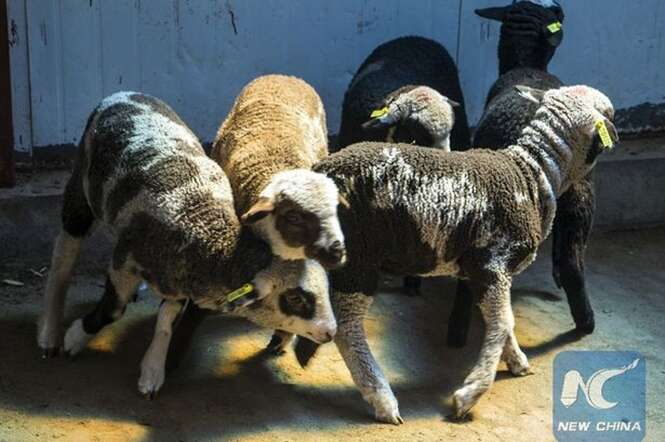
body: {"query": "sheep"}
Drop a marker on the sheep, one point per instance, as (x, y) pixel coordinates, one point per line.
(412, 77)
(478, 215)
(275, 132)
(413, 84)
(530, 34)
(143, 174)
(273, 135)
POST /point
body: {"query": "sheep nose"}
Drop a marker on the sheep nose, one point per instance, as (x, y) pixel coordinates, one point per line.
(337, 252)
(330, 257)
(327, 337)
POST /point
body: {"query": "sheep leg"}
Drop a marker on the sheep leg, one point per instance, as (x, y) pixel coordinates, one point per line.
(517, 362)
(77, 221)
(65, 255)
(351, 341)
(190, 319)
(573, 222)
(494, 290)
(121, 285)
(460, 316)
(280, 339)
(153, 364)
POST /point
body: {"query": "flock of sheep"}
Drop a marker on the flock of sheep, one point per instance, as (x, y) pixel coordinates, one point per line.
(274, 229)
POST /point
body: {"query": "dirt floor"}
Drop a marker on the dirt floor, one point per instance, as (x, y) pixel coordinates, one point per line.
(227, 389)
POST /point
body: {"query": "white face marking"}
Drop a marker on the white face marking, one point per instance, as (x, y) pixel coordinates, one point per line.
(313, 192)
(281, 275)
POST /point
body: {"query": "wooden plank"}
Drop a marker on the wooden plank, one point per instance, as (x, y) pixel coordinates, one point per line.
(120, 57)
(45, 58)
(20, 75)
(81, 64)
(7, 173)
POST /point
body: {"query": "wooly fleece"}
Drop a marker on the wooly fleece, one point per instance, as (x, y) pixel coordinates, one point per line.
(530, 34)
(143, 174)
(478, 215)
(267, 145)
(277, 123)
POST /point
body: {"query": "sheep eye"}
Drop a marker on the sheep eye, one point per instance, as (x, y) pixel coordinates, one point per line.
(293, 217)
(294, 299)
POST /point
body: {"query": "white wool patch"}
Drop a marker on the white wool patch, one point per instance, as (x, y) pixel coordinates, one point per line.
(546, 192)
(118, 97)
(520, 197)
(154, 129)
(438, 204)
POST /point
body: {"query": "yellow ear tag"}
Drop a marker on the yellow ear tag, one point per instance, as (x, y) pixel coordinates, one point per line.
(240, 292)
(604, 134)
(554, 27)
(378, 113)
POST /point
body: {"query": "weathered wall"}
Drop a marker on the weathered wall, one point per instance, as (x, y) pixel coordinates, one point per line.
(197, 54)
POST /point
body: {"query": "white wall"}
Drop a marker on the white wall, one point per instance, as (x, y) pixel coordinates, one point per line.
(68, 54)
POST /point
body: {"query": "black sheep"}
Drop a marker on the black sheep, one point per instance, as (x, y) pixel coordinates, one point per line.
(394, 70)
(530, 34)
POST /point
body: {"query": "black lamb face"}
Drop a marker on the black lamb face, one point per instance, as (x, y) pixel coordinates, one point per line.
(530, 32)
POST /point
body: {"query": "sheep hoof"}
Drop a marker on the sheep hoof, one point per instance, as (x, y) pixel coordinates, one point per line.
(50, 352)
(151, 380)
(586, 327)
(385, 407)
(464, 399)
(49, 339)
(76, 338)
(517, 363)
(519, 370)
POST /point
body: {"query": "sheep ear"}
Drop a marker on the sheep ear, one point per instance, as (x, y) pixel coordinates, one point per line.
(530, 93)
(343, 202)
(453, 103)
(493, 13)
(262, 208)
(305, 350)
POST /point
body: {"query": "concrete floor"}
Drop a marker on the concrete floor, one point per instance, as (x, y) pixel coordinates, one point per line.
(226, 389)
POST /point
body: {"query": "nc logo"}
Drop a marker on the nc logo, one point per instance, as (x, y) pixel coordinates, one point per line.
(599, 396)
(593, 389)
